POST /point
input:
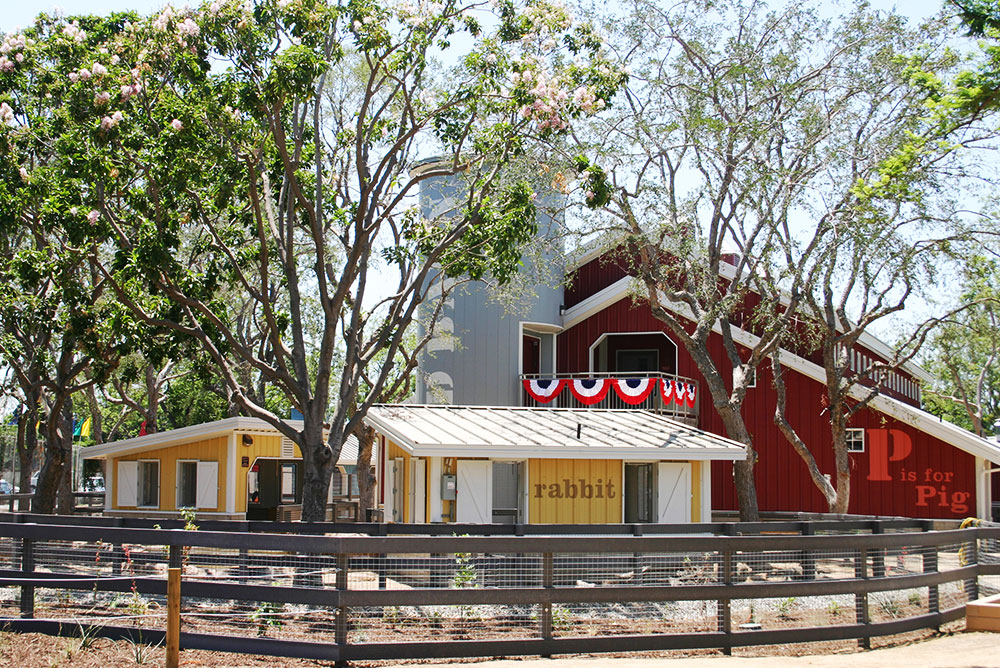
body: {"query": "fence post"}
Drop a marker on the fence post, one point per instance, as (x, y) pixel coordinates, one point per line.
(174, 557)
(806, 558)
(173, 639)
(971, 557)
(878, 554)
(725, 616)
(545, 614)
(930, 558)
(340, 632)
(27, 570)
(861, 600)
(244, 567)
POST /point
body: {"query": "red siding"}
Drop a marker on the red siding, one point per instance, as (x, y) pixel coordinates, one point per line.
(931, 479)
(593, 277)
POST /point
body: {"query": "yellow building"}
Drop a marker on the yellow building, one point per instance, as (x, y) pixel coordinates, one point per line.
(543, 465)
(237, 468)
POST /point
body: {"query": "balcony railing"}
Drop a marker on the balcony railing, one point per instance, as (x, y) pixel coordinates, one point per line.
(662, 393)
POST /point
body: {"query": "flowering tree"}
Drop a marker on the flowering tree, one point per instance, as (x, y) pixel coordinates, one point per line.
(267, 148)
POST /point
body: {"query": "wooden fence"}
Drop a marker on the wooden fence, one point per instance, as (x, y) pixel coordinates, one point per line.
(554, 592)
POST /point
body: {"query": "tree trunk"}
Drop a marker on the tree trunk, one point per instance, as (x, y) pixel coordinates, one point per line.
(27, 443)
(366, 481)
(96, 419)
(318, 461)
(50, 490)
(743, 477)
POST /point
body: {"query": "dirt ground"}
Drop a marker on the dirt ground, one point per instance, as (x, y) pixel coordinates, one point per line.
(949, 649)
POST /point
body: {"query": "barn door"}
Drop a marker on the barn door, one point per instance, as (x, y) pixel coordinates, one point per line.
(673, 493)
(418, 491)
(475, 491)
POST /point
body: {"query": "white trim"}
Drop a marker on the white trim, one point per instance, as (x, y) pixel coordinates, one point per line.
(626, 453)
(434, 483)
(925, 422)
(177, 483)
(541, 327)
(984, 489)
(597, 302)
(622, 288)
(109, 483)
(597, 342)
(705, 512)
(863, 439)
(196, 432)
(232, 474)
(159, 484)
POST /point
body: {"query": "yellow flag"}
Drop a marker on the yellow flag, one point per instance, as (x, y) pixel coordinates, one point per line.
(85, 429)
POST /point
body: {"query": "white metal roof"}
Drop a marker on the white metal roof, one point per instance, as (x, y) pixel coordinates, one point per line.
(487, 431)
(201, 432)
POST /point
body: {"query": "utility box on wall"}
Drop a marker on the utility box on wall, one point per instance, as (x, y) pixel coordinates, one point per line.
(448, 487)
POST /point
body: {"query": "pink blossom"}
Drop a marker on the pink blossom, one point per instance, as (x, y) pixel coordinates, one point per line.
(93, 216)
(126, 91)
(589, 194)
(74, 77)
(84, 74)
(115, 60)
(107, 123)
(6, 65)
(19, 57)
(176, 125)
(99, 70)
(189, 28)
(214, 8)
(102, 98)
(117, 116)
(24, 174)
(6, 113)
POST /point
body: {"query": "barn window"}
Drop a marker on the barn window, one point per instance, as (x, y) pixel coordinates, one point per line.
(149, 483)
(855, 440)
(187, 484)
(288, 483)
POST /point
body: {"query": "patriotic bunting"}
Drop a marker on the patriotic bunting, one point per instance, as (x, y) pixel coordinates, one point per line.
(634, 391)
(544, 390)
(666, 391)
(589, 391)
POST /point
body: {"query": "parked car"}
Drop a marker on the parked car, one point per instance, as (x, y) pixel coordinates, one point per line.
(93, 484)
(5, 487)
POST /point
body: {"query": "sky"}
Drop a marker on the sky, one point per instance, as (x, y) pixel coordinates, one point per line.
(18, 14)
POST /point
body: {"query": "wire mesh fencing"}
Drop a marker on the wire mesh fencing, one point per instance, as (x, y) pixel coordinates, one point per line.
(404, 596)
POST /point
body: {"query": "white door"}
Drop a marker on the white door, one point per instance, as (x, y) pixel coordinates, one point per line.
(475, 491)
(127, 484)
(673, 493)
(208, 485)
(418, 491)
(396, 488)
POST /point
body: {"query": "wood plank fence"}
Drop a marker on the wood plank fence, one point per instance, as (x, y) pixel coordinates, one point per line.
(554, 585)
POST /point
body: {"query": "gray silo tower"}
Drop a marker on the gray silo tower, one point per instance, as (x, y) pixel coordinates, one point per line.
(484, 342)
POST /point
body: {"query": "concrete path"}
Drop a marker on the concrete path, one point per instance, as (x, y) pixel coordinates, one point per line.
(959, 650)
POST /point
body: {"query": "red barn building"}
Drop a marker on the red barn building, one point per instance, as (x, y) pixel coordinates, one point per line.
(905, 461)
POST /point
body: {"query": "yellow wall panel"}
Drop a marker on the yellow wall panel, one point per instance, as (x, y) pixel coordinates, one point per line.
(696, 490)
(213, 449)
(574, 491)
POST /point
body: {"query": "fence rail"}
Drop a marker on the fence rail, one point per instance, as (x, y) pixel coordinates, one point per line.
(355, 597)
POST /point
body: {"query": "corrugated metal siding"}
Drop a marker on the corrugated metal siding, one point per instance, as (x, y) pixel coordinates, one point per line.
(783, 482)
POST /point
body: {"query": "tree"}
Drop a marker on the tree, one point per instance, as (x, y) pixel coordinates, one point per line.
(306, 203)
(964, 353)
(725, 141)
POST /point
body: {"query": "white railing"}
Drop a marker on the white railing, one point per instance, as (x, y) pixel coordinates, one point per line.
(563, 396)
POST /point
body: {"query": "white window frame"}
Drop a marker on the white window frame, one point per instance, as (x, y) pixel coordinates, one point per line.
(855, 431)
(177, 497)
(140, 477)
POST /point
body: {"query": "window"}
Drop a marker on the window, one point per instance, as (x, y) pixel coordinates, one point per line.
(855, 440)
(187, 484)
(288, 483)
(149, 483)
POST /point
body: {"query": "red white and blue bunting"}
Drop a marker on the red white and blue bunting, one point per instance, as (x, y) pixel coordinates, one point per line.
(634, 391)
(589, 391)
(544, 390)
(692, 394)
(666, 391)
